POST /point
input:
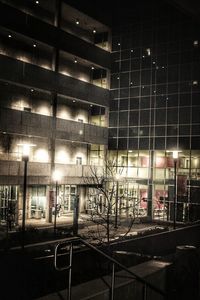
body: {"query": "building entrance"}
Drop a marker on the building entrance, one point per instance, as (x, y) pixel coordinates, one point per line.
(8, 203)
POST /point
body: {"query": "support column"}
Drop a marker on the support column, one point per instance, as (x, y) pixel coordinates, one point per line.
(52, 140)
(150, 185)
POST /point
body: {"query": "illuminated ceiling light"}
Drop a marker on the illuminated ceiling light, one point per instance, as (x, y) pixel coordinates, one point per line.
(118, 78)
(9, 36)
(143, 56)
(148, 51)
(131, 50)
(77, 22)
(74, 101)
(130, 151)
(195, 82)
(37, 2)
(94, 30)
(75, 61)
(34, 45)
(118, 44)
(131, 83)
(195, 43)
(91, 105)
(80, 132)
(32, 90)
(92, 68)
(163, 67)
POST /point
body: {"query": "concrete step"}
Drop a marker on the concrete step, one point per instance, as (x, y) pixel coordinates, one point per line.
(125, 286)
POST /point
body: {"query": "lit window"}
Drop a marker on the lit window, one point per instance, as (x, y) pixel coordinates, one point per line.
(79, 160)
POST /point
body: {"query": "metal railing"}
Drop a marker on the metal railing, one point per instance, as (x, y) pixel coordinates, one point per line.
(110, 259)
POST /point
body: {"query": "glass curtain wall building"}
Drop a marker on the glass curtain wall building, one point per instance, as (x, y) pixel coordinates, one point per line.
(155, 106)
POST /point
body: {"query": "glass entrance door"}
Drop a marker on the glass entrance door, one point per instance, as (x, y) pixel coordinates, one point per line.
(8, 202)
(67, 194)
(38, 202)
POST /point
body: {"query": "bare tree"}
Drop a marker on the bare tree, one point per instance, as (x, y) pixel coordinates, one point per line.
(106, 203)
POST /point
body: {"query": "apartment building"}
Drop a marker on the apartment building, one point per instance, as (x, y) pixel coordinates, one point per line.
(78, 92)
(54, 80)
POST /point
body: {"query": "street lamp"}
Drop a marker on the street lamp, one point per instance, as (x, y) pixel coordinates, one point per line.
(56, 177)
(175, 157)
(25, 158)
(117, 177)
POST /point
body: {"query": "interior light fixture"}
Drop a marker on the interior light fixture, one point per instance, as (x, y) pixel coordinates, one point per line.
(118, 78)
(195, 43)
(91, 105)
(37, 2)
(131, 50)
(75, 61)
(118, 44)
(34, 45)
(92, 68)
(148, 51)
(74, 101)
(77, 22)
(32, 90)
(94, 30)
(195, 82)
(9, 36)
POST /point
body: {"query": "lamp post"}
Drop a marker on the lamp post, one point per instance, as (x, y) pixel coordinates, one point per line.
(56, 177)
(175, 157)
(25, 158)
(117, 177)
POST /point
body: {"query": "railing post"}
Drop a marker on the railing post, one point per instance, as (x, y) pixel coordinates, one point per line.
(144, 291)
(70, 272)
(113, 281)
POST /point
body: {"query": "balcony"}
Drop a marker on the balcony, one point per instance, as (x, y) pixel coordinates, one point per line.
(26, 123)
(11, 172)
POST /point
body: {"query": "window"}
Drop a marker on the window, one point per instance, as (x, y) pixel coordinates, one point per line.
(79, 160)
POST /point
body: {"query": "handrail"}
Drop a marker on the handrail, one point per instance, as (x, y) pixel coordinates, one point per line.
(114, 262)
(123, 267)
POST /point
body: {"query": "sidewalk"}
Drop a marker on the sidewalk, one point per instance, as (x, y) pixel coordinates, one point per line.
(39, 230)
